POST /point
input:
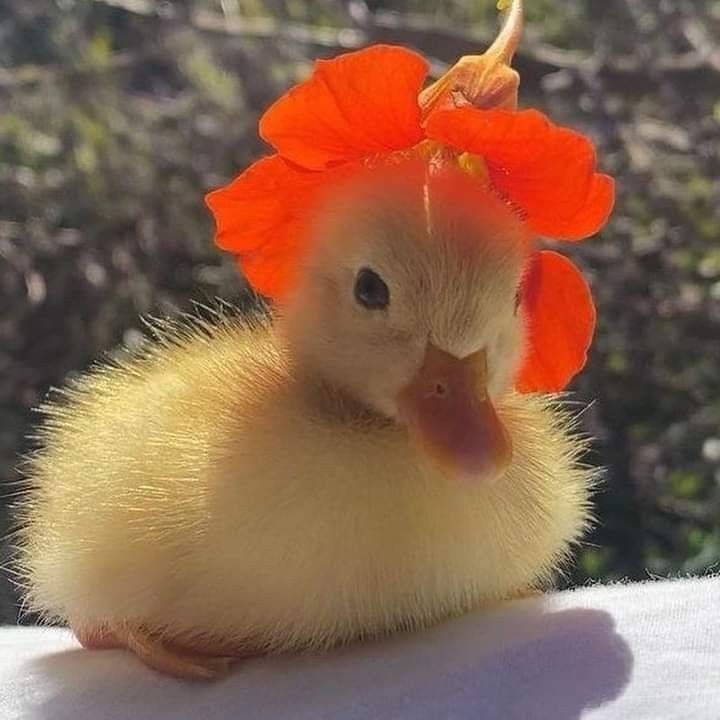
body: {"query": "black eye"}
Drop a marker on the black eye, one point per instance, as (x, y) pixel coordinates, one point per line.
(370, 291)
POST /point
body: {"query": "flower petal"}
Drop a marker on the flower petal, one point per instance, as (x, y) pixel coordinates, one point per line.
(560, 318)
(594, 213)
(547, 170)
(262, 217)
(353, 106)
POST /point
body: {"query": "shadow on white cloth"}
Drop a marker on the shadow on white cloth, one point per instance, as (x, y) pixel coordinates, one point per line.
(521, 661)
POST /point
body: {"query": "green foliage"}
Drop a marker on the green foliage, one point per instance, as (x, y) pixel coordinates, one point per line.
(115, 121)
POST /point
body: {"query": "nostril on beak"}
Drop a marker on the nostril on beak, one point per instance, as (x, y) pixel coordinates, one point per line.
(440, 389)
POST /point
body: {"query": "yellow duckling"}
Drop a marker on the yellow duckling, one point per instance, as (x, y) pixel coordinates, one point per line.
(354, 463)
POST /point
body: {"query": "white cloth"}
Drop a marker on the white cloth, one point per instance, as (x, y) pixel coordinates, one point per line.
(646, 651)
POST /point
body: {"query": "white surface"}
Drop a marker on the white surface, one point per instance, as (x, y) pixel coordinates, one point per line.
(641, 652)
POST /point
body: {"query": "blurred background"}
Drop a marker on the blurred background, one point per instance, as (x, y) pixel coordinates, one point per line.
(116, 116)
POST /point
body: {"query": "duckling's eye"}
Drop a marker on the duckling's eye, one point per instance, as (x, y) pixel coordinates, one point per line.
(370, 290)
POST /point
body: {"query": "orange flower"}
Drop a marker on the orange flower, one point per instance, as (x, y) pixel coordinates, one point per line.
(362, 108)
(560, 323)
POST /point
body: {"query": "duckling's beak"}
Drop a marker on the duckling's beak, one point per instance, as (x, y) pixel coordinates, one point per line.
(448, 412)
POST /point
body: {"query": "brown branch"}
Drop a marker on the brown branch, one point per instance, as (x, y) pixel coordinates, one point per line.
(704, 514)
(701, 42)
(443, 45)
(34, 74)
(414, 29)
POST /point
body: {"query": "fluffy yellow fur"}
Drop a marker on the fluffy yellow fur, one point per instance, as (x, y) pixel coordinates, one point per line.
(195, 490)
(248, 483)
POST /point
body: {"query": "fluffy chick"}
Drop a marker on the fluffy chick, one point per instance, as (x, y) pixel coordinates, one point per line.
(256, 486)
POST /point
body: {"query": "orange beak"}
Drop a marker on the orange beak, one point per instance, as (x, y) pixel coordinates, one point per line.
(449, 414)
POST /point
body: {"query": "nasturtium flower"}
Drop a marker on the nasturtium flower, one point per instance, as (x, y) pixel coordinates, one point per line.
(366, 108)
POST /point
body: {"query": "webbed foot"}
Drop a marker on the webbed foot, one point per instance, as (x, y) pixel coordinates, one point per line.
(157, 653)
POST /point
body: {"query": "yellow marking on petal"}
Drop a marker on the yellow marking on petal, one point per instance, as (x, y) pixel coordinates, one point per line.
(427, 149)
(475, 166)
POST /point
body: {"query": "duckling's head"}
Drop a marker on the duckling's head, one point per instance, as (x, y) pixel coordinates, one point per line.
(408, 302)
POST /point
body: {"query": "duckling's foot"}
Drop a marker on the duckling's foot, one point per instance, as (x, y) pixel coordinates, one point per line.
(154, 652)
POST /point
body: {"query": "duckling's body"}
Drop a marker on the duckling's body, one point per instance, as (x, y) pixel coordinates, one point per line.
(205, 492)
(357, 464)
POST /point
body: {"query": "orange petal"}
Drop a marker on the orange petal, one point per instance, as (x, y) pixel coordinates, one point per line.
(546, 170)
(353, 106)
(262, 217)
(595, 212)
(560, 318)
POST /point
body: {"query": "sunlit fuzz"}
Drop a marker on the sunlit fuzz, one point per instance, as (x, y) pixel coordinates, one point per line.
(357, 460)
(356, 466)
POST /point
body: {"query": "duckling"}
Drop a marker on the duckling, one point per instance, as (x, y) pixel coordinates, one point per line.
(355, 464)
(370, 453)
